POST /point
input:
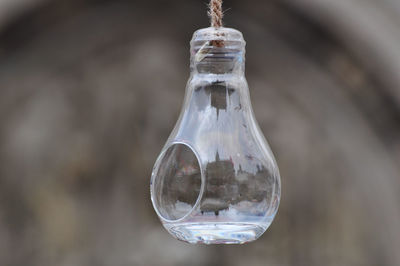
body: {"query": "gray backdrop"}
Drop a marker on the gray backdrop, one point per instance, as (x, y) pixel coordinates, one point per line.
(90, 90)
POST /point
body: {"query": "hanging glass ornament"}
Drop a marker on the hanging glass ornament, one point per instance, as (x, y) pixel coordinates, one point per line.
(216, 180)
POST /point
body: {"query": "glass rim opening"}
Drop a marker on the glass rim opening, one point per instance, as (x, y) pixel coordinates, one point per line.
(155, 173)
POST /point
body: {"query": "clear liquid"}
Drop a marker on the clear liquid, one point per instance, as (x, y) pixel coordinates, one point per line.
(224, 228)
(216, 233)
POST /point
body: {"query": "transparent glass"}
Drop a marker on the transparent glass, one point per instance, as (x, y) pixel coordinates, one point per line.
(216, 180)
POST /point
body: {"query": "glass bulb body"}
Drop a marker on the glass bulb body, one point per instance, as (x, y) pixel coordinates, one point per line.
(216, 180)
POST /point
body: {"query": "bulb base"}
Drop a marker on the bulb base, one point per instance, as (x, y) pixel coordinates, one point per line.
(218, 51)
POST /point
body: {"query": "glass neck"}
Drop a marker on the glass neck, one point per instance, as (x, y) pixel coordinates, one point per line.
(209, 59)
(217, 51)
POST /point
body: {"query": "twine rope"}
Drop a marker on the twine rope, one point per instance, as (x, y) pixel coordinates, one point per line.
(216, 14)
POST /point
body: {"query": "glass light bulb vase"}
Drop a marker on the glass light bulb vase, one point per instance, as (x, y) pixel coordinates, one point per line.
(216, 180)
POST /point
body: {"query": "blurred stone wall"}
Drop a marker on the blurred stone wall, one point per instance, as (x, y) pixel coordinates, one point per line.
(90, 90)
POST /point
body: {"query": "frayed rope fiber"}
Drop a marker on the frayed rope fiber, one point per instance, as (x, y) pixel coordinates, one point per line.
(216, 13)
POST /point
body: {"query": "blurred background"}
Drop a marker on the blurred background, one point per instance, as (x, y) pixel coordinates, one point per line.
(90, 90)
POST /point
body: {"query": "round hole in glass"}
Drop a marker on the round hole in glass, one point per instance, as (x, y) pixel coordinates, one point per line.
(177, 187)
